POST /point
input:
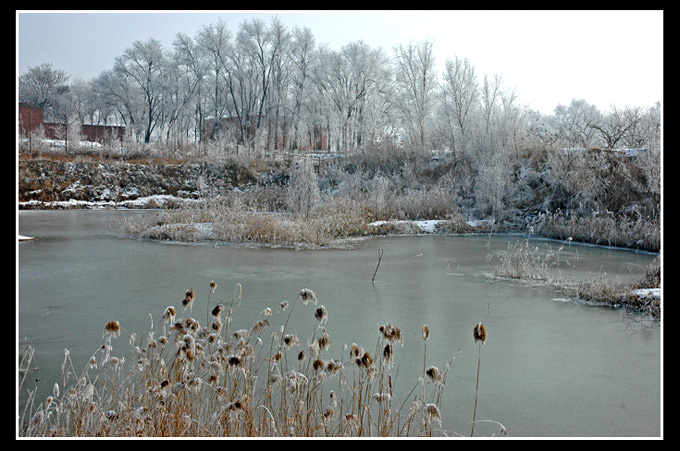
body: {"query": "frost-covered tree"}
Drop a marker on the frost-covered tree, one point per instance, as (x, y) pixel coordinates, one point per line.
(615, 125)
(302, 194)
(301, 58)
(576, 124)
(459, 100)
(214, 43)
(144, 67)
(191, 60)
(42, 85)
(415, 87)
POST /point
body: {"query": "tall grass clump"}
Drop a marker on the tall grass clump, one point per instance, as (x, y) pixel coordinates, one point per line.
(235, 221)
(186, 378)
(599, 290)
(524, 261)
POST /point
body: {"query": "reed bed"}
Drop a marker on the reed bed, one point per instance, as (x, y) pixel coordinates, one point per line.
(187, 379)
(232, 220)
(605, 229)
(523, 261)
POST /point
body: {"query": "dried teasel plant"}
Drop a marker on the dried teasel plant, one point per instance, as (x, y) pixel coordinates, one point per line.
(307, 295)
(480, 335)
(112, 329)
(188, 300)
(215, 363)
(391, 333)
(321, 314)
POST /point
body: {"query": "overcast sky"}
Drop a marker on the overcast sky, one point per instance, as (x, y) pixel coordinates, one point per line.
(548, 57)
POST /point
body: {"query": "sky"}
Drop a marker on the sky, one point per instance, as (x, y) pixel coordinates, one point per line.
(606, 57)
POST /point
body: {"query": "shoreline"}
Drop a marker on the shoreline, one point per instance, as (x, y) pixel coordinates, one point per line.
(418, 227)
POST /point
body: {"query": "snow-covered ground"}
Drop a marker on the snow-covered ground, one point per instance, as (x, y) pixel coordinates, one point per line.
(426, 225)
(155, 201)
(645, 293)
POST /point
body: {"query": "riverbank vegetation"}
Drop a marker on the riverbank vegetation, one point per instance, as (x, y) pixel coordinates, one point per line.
(283, 199)
(186, 378)
(389, 135)
(526, 262)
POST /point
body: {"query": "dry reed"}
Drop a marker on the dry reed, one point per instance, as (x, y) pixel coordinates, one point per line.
(182, 379)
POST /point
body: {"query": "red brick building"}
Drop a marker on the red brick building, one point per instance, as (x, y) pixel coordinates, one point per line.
(31, 119)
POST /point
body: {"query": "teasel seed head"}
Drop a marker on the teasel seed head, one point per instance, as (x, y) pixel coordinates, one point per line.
(169, 314)
(112, 328)
(328, 413)
(366, 360)
(321, 314)
(260, 325)
(388, 352)
(188, 298)
(391, 333)
(435, 374)
(324, 341)
(426, 332)
(217, 310)
(307, 295)
(479, 333)
(290, 340)
(332, 367)
(234, 361)
(213, 286)
(433, 412)
(216, 325)
(318, 364)
(355, 351)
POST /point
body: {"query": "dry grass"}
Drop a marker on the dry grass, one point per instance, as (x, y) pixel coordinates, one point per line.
(601, 291)
(231, 220)
(187, 379)
(604, 229)
(523, 261)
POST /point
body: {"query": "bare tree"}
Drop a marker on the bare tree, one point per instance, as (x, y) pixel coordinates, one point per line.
(301, 57)
(64, 108)
(459, 98)
(214, 42)
(40, 86)
(415, 84)
(616, 124)
(190, 58)
(144, 65)
(576, 124)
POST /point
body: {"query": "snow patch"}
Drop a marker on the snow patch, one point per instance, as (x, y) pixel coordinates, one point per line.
(155, 201)
(426, 225)
(644, 293)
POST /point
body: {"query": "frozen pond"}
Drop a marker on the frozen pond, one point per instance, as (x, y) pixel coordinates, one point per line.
(549, 368)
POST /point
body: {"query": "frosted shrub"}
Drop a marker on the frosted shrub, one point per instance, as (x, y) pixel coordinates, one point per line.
(302, 194)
